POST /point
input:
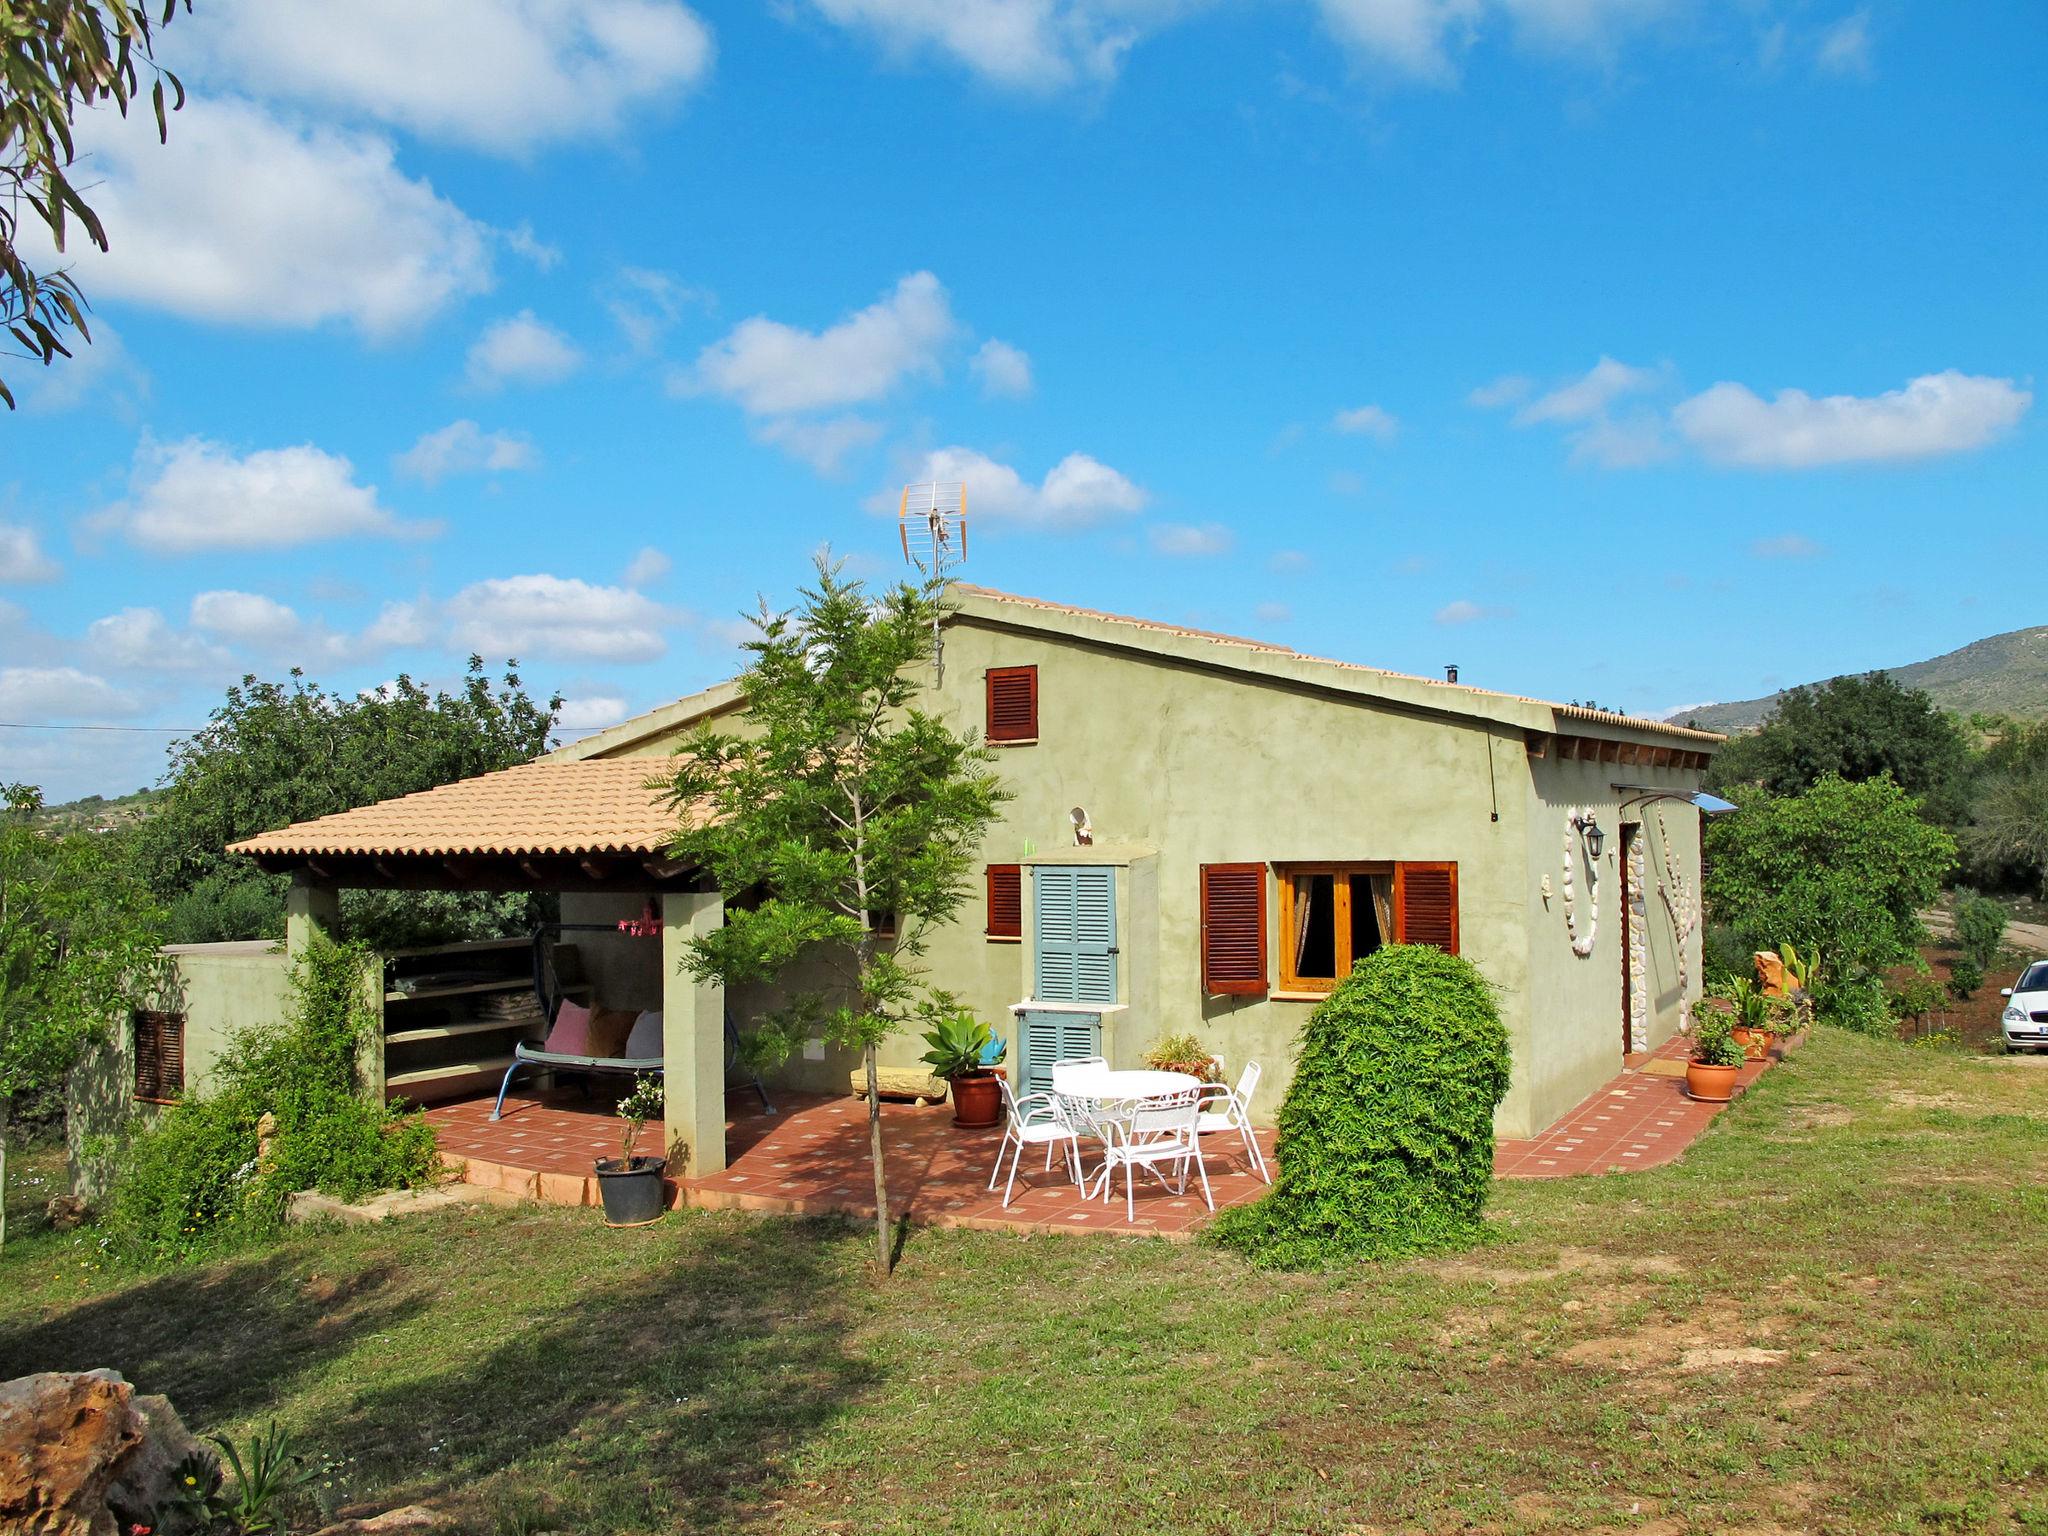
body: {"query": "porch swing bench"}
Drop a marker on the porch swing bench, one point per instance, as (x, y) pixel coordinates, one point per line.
(548, 988)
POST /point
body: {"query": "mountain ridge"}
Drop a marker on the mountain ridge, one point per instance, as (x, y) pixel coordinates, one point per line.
(2000, 674)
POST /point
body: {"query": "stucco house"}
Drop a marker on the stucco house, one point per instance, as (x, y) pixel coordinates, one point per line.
(1205, 832)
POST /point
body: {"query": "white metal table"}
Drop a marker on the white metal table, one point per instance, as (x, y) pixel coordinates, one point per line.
(1090, 1098)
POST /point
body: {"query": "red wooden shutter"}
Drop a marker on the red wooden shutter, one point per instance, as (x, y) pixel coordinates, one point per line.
(1012, 703)
(1234, 928)
(1426, 905)
(1005, 902)
(159, 1055)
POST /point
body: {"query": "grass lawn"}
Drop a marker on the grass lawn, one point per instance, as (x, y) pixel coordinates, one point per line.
(1828, 1316)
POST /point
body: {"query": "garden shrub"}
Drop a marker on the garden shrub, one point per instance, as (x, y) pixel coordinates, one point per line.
(198, 1179)
(1965, 976)
(1980, 930)
(1386, 1134)
(1859, 1004)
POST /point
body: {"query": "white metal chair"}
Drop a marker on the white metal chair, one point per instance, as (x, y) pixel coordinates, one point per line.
(1230, 1109)
(1155, 1133)
(1034, 1120)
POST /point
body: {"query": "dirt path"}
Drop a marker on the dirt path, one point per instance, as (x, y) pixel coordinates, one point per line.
(2029, 937)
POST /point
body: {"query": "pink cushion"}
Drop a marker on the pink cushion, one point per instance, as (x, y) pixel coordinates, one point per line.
(571, 1034)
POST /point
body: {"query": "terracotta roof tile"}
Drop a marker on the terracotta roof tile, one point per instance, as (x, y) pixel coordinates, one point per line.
(550, 806)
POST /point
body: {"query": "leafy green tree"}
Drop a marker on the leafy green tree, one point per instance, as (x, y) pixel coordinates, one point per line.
(78, 947)
(840, 802)
(2006, 841)
(1856, 728)
(276, 753)
(1980, 929)
(57, 57)
(1843, 868)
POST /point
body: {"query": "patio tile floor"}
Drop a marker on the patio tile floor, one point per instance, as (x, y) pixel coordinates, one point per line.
(811, 1157)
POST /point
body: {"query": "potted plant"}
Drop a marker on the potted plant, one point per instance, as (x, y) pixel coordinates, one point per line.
(1183, 1053)
(1802, 975)
(1716, 1058)
(1751, 1025)
(965, 1052)
(632, 1185)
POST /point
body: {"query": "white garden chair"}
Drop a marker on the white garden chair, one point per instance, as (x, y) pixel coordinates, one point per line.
(1032, 1121)
(1154, 1134)
(1230, 1109)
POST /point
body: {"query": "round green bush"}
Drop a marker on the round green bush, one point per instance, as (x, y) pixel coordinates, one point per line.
(1386, 1134)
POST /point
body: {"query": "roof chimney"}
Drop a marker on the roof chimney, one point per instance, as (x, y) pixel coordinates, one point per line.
(1451, 673)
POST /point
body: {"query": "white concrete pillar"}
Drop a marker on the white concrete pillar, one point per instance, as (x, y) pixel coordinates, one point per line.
(309, 909)
(693, 1037)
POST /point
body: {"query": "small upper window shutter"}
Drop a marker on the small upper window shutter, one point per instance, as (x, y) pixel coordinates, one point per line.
(1005, 902)
(1012, 703)
(1234, 928)
(1426, 905)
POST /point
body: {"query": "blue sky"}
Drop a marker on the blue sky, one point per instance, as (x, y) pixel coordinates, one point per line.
(1649, 351)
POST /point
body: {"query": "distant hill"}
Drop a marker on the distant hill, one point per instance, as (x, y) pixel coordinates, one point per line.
(97, 813)
(2003, 675)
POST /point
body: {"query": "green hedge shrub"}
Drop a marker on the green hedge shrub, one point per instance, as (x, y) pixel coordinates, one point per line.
(195, 1182)
(1386, 1134)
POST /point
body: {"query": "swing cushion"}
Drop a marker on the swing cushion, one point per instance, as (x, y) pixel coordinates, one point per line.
(645, 1042)
(571, 1033)
(609, 1028)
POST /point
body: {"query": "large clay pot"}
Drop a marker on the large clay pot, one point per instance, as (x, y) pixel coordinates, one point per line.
(977, 1101)
(1755, 1043)
(1714, 1085)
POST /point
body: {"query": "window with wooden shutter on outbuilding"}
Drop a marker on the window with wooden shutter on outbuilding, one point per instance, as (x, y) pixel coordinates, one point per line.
(1012, 703)
(1234, 928)
(159, 1055)
(1426, 905)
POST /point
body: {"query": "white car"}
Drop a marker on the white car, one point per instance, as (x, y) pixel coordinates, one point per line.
(2026, 1010)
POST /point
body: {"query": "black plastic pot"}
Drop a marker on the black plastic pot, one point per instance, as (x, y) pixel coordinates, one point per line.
(633, 1196)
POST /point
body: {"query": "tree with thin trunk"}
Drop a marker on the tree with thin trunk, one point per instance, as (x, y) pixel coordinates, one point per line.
(840, 820)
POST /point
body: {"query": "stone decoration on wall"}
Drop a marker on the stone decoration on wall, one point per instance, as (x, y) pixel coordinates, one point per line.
(1582, 944)
(1638, 941)
(1683, 904)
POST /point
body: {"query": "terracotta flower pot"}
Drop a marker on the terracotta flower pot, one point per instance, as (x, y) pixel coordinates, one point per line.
(1755, 1043)
(977, 1101)
(1713, 1085)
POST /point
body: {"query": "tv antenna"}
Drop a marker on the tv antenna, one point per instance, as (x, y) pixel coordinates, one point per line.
(931, 521)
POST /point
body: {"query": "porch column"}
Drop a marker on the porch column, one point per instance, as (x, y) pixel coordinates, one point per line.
(309, 909)
(693, 1035)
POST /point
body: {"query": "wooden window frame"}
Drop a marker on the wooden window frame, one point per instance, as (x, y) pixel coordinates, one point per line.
(160, 1022)
(1283, 877)
(1259, 985)
(1015, 875)
(1008, 737)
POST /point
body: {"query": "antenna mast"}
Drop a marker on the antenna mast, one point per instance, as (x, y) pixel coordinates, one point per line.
(931, 522)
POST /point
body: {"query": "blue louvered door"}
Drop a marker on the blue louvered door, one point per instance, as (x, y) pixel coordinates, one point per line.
(1047, 1036)
(1074, 931)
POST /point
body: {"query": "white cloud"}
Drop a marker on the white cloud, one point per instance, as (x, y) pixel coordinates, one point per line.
(464, 448)
(1032, 45)
(399, 625)
(1631, 442)
(1426, 38)
(21, 557)
(140, 639)
(1288, 562)
(498, 75)
(521, 241)
(824, 445)
(773, 369)
(647, 567)
(103, 370)
(1508, 389)
(644, 304)
(1004, 370)
(1786, 546)
(591, 712)
(1588, 396)
(1188, 539)
(196, 495)
(247, 618)
(1077, 491)
(245, 219)
(520, 349)
(1937, 413)
(30, 695)
(1845, 47)
(1366, 421)
(1273, 613)
(1464, 611)
(542, 615)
